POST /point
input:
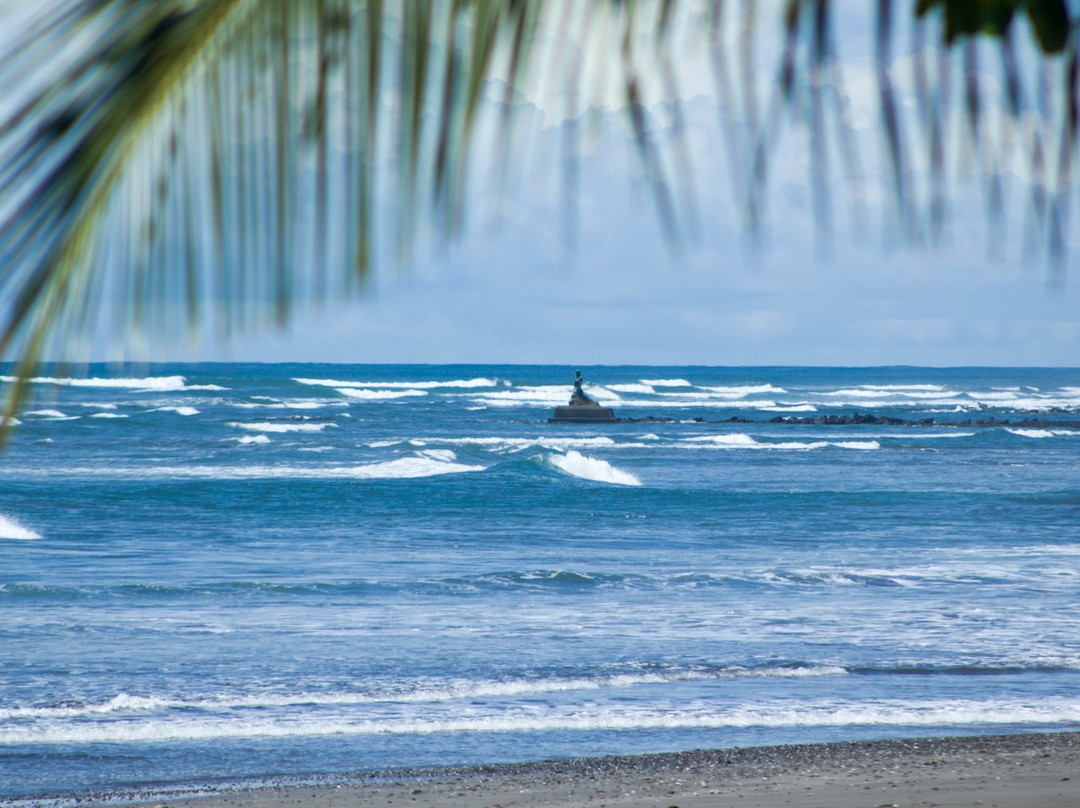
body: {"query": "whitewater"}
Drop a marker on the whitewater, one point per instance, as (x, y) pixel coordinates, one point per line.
(223, 575)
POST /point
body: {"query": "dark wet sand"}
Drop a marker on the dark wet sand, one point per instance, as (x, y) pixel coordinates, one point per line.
(1038, 770)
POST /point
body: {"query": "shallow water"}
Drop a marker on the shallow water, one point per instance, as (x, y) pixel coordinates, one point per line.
(222, 573)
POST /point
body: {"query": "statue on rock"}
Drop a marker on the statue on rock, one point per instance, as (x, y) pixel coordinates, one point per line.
(582, 409)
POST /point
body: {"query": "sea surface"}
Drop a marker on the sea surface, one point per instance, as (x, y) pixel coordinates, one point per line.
(223, 575)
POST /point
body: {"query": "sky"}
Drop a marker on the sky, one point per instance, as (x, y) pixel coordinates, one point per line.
(513, 290)
(513, 287)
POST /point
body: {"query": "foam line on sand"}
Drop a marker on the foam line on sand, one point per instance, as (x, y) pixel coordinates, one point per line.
(1008, 771)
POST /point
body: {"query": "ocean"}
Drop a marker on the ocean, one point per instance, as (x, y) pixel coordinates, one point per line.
(224, 575)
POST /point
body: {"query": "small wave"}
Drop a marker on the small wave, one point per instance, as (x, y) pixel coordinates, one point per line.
(402, 468)
(666, 382)
(745, 390)
(268, 402)
(430, 692)
(444, 455)
(177, 410)
(108, 415)
(1042, 433)
(268, 426)
(511, 444)
(244, 440)
(933, 435)
(589, 468)
(1033, 404)
(546, 395)
(631, 388)
(463, 384)
(54, 414)
(740, 440)
(157, 383)
(10, 528)
(902, 387)
(365, 394)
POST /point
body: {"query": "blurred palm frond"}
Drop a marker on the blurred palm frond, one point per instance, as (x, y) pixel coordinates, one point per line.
(169, 166)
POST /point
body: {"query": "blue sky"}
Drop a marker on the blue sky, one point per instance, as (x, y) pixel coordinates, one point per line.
(512, 289)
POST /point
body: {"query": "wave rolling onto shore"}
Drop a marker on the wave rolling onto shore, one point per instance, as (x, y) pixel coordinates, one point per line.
(226, 576)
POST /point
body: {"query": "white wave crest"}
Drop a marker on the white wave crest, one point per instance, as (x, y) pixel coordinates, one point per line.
(271, 403)
(445, 455)
(744, 390)
(424, 385)
(588, 717)
(402, 468)
(1031, 433)
(269, 426)
(512, 444)
(244, 440)
(428, 692)
(11, 529)
(1042, 433)
(60, 416)
(589, 468)
(158, 383)
(108, 415)
(546, 395)
(902, 387)
(177, 410)
(666, 382)
(365, 394)
(740, 440)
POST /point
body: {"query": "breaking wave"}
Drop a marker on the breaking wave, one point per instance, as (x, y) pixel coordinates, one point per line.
(588, 468)
(597, 716)
(156, 383)
(10, 528)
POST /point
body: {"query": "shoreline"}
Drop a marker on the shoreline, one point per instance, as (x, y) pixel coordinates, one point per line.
(1007, 771)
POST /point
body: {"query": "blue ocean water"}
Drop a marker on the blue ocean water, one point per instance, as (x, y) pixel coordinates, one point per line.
(221, 574)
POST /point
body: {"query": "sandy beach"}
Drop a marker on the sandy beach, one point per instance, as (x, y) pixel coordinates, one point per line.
(1003, 771)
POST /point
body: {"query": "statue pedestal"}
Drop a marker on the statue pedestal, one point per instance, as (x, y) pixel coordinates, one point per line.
(582, 409)
(583, 414)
